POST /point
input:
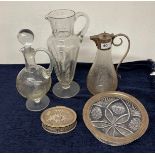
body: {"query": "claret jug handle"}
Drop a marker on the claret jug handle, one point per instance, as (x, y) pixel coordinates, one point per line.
(50, 68)
(119, 44)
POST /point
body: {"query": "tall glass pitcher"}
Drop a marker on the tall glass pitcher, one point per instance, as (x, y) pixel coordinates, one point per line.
(64, 45)
(102, 75)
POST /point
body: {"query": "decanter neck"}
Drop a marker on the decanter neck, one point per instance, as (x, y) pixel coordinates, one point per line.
(29, 56)
(103, 57)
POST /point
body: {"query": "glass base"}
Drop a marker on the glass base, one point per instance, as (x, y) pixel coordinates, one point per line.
(66, 93)
(33, 106)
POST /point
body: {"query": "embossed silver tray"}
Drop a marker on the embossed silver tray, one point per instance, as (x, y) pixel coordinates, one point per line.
(115, 118)
(58, 120)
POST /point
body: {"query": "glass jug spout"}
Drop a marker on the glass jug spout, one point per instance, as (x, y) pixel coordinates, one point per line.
(62, 22)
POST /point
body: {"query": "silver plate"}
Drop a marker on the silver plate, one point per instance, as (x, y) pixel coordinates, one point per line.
(115, 118)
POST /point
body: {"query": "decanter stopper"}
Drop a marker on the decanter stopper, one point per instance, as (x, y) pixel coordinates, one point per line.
(25, 37)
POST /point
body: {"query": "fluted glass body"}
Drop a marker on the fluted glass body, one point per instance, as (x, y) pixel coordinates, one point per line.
(102, 75)
(64, 46)
(65, 52)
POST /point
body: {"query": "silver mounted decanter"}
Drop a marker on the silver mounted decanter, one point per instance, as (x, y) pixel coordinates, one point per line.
(33, 81)
(102, 75)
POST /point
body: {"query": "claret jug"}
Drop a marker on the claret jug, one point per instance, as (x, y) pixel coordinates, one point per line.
(33, 81)
(102, 75)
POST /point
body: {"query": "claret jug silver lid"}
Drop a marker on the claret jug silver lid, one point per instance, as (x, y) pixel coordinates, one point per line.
(102, 38)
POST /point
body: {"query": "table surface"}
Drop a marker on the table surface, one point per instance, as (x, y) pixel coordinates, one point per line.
(21, 131)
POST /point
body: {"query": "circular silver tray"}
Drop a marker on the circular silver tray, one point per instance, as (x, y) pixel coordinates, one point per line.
(115, 118)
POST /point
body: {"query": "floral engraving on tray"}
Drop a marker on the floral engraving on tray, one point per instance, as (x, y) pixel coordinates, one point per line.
(134, 124)
(115, 117)
(96, 113)
(118, 108)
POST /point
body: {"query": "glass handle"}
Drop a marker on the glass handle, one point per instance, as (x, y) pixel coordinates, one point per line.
(85, 28)
(128, 48)
(50, 68)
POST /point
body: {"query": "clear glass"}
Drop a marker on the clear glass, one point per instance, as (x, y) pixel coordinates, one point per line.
(64, 46)
(102, 75)
(33, 81)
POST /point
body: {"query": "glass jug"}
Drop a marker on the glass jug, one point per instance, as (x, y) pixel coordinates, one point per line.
(102, 75)
(33, 81)
(64, 45)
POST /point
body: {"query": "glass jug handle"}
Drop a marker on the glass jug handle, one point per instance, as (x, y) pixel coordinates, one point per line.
(85, 28)
(127, 51)
(50, 68)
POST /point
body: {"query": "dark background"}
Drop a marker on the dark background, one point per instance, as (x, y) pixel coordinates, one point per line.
(21, 131)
